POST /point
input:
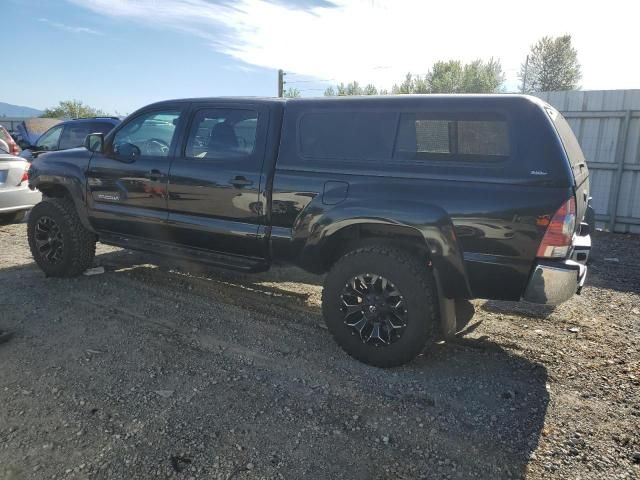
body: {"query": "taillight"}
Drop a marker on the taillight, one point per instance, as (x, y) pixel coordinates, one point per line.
(25, 174)
(559, 235)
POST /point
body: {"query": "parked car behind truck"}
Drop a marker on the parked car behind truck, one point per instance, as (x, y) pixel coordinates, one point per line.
(7, 139)
(67, 134)
(16, 198)
(407, 203)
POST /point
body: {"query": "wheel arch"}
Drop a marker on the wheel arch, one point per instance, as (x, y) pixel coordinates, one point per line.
(426, 231)
(54, 186)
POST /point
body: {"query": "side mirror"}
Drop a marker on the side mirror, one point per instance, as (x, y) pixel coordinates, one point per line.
(94, 142)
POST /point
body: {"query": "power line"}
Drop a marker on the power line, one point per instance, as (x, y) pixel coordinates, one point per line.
(309, 81)
(320, 80)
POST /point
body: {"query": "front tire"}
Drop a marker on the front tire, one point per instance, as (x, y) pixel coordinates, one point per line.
(378, 303)
(59, 243)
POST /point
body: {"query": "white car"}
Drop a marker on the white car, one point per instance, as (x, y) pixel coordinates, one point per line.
(16, 199)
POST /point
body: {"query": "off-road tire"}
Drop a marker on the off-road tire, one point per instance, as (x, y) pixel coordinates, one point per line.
(79, 244)
(414, 280)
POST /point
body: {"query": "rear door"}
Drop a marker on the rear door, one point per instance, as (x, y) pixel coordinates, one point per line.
(215, 200)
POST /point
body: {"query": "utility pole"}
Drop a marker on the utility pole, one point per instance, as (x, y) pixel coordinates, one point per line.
(281, 83)
(524, 77)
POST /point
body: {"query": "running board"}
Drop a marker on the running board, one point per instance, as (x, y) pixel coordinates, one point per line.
(231, 262)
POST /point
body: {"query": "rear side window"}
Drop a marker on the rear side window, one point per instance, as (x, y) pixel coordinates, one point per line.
(422, 137)
(222, 133)
(347, 135)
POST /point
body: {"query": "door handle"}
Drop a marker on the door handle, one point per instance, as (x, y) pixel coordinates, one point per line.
(154, 174)
(240, 182)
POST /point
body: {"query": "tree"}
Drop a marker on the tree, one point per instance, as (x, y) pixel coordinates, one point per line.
(552, 65)
(291, 92)
(455, 77)
(481, 77)
(330, 92)
(370, 89)
(446, 77)
(352, 88)
(72, 109)
(411, 84)
(475, 77)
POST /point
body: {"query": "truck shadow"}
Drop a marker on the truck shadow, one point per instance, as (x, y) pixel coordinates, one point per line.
(521, 309)
(478, 402)
(471, 407)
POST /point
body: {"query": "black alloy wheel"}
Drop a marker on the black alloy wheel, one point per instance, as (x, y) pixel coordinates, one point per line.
(374, 308)
(49, 240)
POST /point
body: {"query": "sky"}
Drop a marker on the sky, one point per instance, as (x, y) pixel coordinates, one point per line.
(119, 55)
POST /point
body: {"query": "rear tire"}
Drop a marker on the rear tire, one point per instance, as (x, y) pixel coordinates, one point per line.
(415, 320)
(59, 243)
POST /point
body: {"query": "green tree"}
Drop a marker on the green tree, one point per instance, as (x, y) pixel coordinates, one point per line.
(446, 77)
(483, 77)
(330, 92)
(455, 77)
(71, 109)
(552, 65)
(370, 89)
(411, 84)
(352, 88)
(292, 92)
(475, 77)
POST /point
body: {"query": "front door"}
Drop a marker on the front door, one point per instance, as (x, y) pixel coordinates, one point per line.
(214, 183)
(127, 182)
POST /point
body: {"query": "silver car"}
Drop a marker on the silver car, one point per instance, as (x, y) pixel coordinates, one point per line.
(16, 199)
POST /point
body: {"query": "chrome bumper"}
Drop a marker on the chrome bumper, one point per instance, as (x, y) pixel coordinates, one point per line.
(554, 282)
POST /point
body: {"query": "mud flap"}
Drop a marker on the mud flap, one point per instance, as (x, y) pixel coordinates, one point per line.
(447, 306)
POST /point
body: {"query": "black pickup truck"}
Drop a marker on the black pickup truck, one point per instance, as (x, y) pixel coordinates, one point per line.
(408, 203)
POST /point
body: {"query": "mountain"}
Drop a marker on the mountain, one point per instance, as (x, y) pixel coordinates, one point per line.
(8, 110)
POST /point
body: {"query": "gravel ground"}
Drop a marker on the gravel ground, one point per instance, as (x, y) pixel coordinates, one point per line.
(147, 371)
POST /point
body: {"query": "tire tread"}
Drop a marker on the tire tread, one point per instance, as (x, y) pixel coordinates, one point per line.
(83, 241)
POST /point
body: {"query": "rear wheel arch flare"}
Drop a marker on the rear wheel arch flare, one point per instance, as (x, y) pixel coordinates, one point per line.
(356, 235)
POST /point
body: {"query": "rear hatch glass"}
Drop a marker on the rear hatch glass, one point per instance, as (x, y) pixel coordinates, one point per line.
(576, 159)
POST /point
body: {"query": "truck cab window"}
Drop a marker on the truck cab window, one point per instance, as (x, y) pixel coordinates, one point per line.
(149, 134)
(222, 133)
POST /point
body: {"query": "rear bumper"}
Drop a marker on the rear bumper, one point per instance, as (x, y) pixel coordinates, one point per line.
(15, 200)
(554, 282)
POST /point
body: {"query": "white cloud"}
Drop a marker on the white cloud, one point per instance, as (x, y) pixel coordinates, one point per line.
(69, 28)
(379, 41)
